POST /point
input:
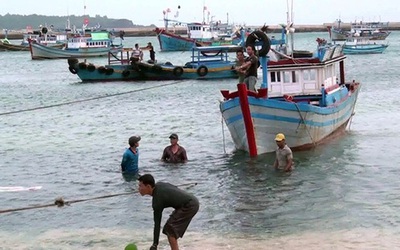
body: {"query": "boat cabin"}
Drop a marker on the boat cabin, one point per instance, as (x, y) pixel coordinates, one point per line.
(98, 39)
(306, 78)
(211, 55)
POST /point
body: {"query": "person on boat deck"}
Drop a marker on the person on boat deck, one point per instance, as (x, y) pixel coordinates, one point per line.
(239, 62)
(130, 158)
(250, 67)
(152, 52)
(174, 153)
(137, 54)
(167, 195)
(284, 155)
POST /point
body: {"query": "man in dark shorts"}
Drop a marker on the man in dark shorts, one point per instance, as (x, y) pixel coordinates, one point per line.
(167, 195)
(174, 153)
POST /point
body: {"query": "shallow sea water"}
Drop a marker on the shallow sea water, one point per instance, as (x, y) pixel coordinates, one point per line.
(342, 195)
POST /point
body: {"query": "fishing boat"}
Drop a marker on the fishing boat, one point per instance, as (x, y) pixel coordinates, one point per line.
(359, 45)
(308, 99)
(96, 44)
(369, 30)
(205, 33)
(206, 63)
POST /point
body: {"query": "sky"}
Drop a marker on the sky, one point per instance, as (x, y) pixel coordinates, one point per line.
(249, 12)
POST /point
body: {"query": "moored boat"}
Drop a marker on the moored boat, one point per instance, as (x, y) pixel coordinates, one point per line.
(368, 30)
(206, 63)
(99, 43)
(306, 98)
(358, 45)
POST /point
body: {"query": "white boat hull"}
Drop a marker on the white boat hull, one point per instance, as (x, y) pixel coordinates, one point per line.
(304, 125)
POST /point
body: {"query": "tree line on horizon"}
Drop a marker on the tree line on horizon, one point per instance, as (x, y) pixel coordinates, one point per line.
(18, 22)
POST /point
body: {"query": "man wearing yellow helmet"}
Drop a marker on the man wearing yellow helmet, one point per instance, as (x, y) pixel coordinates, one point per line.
(284, 155)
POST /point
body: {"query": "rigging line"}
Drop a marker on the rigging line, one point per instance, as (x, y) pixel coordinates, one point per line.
(304, 122)
(59, 202)
(86, 100)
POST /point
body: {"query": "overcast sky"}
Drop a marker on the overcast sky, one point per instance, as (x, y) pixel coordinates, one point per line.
(250, 12)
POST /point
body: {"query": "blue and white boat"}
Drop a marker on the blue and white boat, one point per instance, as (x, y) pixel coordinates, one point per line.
(99, 43)
(206, 63)
(360, 45)
(369, 30)
(306, 98)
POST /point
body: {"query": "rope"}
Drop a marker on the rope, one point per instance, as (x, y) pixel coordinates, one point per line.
(86, 100)
(59, 202)
(223, 134)
(303, 121)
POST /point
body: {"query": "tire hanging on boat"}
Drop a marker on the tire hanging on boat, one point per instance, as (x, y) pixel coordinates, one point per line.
(101, 69)
(91, 67)
(202, 70)
(177, 71)
(125, 73)
(82, 65)
(72, 61)
(72, 70)
(256, 36)
(109, 71)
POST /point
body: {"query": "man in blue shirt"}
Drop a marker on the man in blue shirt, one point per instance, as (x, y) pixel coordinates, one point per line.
(130, 159)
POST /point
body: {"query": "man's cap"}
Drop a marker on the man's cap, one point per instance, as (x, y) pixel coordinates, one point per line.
(173, 136)
(279, 137)
(134, 139)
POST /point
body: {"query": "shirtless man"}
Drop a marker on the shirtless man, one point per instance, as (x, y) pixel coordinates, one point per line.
(174, 153)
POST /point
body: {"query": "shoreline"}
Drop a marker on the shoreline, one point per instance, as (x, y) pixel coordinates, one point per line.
(148, 31)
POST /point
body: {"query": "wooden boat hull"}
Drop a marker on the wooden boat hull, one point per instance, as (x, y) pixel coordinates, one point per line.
(17, 47)
(364, 49)
(39, 51)
(303, 124)
(171, 42)
(148, 71)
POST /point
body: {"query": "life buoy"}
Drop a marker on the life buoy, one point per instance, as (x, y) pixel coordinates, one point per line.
(91, 67)
(82, 65)
(257, 36)
(72, 70)
(168, 63)
(109, 71)
(125, 73)
(101, 69)
(72, 61)
(177, 71)
(44, 30)
(202, 70)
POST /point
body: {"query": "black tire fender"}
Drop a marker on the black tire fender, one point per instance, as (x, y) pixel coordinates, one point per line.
(91, 67)
(72, 61)
(177, 71)
(109, 71)
(125, 73)
(72, 70)
(256, 36)
(101, 69)
(82, 65)
(202, 70)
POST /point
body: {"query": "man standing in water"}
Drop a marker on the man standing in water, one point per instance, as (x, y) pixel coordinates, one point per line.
(130, 158)
(174, 153)
(284, 155)
(167, 195)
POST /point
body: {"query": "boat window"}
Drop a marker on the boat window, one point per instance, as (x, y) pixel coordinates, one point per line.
(309, 75)
(294, 76)
(286, 77)
(275, 76)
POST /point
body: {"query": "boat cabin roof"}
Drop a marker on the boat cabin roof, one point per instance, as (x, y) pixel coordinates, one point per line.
(226, 48)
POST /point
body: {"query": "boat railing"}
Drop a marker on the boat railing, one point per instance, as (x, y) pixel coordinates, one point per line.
(121, 57)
